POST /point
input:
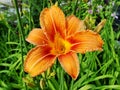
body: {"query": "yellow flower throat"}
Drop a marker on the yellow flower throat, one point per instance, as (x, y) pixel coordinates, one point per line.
(60, 46)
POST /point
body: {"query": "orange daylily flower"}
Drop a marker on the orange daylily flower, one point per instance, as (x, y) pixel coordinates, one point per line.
(61, 38)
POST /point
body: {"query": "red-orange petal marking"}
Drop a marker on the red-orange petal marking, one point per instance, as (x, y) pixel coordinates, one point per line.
(53, 21)
(37, 37)
(70, 64)
(86, 40)
(38, 60)
(73, 25)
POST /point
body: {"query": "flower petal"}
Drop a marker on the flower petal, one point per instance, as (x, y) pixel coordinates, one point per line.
(70, 63)
(53, 21)
(38, 60)
(86, 40)
(74, 25)
(37, 37)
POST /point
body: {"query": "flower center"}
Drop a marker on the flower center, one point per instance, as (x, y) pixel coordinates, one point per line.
(60, 46)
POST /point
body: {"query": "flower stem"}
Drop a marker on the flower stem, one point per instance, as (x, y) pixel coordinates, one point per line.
(61, 80)
(21, 37)
(20, 24)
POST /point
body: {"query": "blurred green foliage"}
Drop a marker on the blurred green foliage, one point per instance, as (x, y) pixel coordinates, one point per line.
(98, 70)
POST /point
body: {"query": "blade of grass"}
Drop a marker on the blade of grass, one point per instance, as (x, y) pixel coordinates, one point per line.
(87, 87)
